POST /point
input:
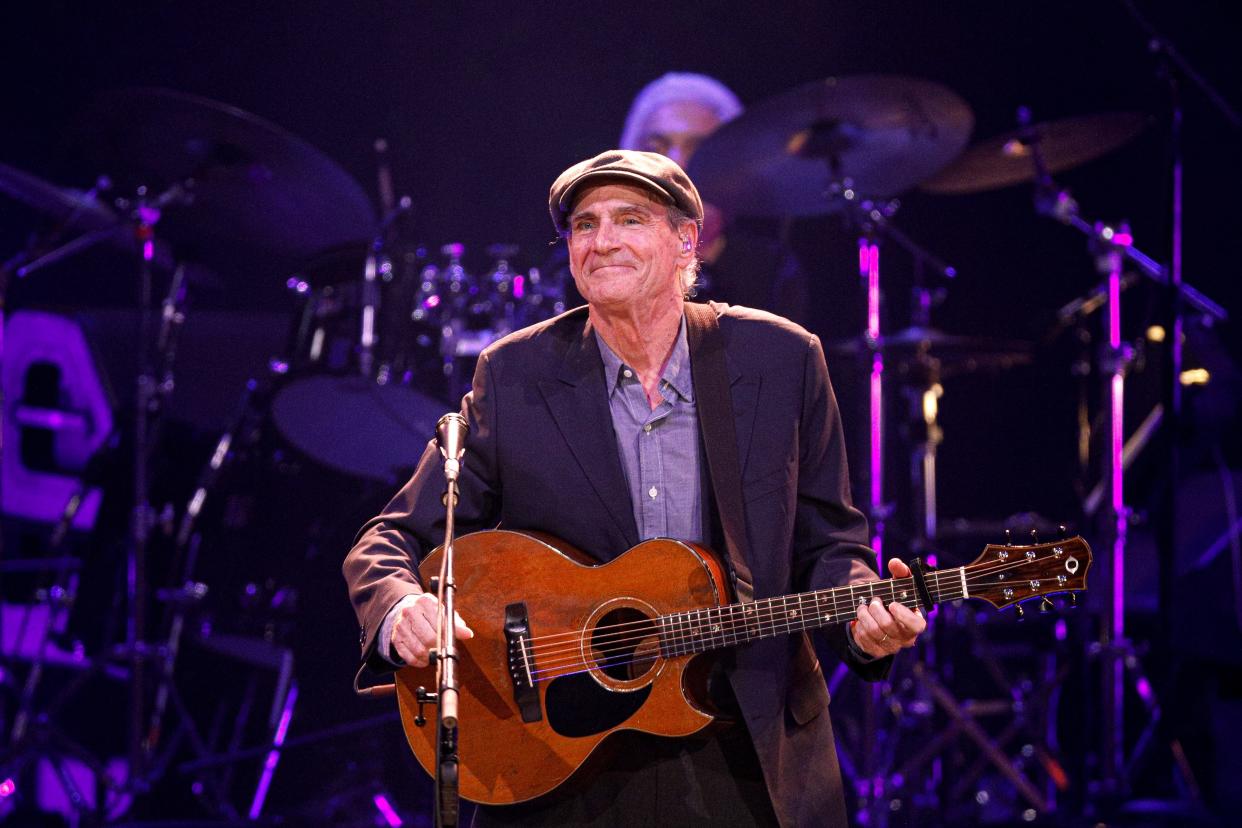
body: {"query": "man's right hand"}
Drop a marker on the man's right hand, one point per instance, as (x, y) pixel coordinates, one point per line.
(414, 630)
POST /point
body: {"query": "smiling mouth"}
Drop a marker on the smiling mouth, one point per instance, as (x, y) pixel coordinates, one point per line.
(611, 265)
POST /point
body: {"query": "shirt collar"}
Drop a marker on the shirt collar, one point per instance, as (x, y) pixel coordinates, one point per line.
(676, 370)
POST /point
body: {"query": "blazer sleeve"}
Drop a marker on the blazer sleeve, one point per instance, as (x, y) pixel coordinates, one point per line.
(830, 535)
(381, 568)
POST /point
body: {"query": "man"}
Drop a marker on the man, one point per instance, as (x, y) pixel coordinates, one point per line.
(603, 426)
(744, 262)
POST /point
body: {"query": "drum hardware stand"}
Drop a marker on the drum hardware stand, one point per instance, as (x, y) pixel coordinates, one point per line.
(151, 394)
(872, 220)
(1172, 70)
(894, 790)
(37, 256)
(187, 594)
(1111, 247)
(873, 781)
(26, 744)
(151, 398)
(377, 268)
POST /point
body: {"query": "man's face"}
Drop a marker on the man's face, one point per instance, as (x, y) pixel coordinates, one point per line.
(622, 249)
(676, 129)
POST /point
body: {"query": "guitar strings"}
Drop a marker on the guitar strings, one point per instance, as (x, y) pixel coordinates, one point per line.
(561, 671)
(551, 660)
(575, 668)
(544, 645)
(547, 654)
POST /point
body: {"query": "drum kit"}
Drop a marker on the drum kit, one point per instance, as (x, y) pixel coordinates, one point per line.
(382, 332)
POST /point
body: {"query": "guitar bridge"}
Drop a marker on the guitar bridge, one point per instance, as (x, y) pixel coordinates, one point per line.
(522, 662)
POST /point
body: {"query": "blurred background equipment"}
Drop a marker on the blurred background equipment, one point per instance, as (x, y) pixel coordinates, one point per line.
(228, 337)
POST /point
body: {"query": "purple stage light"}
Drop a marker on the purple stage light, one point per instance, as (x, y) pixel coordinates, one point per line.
(873, 291)
(273, 756)
(386, 810)
(7, 788)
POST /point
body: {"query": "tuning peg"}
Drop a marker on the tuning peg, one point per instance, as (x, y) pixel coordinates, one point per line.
(1034, 536)
(1045, 604)
(1020, 611)
(1008, 538)
(1073, 600)
(1062, 530)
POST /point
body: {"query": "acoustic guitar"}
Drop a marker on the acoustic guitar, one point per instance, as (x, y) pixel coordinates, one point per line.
(566, 652)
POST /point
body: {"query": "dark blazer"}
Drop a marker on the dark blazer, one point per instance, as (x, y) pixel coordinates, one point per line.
(542, 455)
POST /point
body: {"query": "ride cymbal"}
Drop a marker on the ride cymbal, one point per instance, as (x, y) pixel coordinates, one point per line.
(1007, 159)
(879, 134)
(252, 188)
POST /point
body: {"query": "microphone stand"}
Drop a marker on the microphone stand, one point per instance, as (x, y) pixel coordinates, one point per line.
(450, 432)
(1111, 248)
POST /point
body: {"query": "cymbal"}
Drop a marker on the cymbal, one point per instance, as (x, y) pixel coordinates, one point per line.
(1006, 159)
(257, 190)
(65, 204)
(884, 133)
(948, 353)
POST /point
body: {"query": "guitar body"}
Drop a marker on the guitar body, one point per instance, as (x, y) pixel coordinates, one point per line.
(588, 685)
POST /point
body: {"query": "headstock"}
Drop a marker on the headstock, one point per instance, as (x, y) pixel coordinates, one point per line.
(1006, 574)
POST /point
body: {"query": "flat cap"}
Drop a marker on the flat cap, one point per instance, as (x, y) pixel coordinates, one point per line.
(656, 172)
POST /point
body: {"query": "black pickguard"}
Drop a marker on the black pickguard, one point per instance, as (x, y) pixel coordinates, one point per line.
(578, 706)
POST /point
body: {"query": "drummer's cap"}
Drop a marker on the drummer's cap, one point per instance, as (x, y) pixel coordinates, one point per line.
(656, 172)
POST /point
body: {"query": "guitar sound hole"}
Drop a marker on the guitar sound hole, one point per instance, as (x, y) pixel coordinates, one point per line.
(625, 644)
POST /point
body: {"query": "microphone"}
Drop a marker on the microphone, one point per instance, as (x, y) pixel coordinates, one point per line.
(451, 433)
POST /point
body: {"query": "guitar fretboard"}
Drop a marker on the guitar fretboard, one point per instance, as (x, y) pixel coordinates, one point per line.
(697, 631)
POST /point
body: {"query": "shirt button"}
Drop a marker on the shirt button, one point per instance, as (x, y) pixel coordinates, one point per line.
(653, 492)
(627, 373)
(647, 428)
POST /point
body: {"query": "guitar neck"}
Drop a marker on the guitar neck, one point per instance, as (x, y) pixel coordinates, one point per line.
(697, 631)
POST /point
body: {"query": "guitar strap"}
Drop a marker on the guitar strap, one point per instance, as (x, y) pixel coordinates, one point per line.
(712, 397)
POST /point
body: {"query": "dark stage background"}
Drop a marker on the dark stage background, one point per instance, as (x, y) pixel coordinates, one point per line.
(482, 105)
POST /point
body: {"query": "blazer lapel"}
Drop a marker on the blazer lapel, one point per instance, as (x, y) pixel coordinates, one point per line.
(578, 401)
(744, 391)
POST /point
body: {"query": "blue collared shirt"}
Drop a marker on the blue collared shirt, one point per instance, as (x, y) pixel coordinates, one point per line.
(659, 447)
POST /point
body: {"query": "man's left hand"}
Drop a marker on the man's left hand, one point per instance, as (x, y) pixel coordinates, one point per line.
(883, 630)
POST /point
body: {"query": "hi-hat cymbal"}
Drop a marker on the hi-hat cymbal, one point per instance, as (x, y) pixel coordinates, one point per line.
(948, 353)
(1007, 159)
(257, 190)
(884, 133)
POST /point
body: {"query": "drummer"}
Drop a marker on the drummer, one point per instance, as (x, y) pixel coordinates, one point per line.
(672, 115)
